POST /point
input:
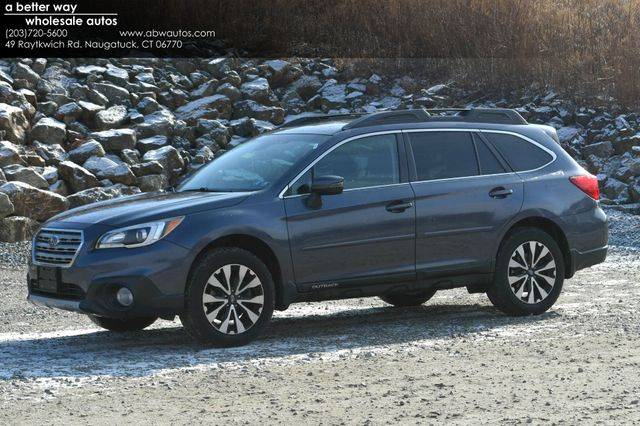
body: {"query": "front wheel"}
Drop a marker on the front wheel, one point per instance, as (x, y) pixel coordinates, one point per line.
(230, 298)
(122, 325)
(529, 273)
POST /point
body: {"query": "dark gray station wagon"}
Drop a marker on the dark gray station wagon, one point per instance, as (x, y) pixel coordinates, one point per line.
(394, 204)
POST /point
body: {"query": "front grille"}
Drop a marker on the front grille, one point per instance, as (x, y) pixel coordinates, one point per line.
(56, 247)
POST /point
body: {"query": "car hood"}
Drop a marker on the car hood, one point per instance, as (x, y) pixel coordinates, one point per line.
(138, 208)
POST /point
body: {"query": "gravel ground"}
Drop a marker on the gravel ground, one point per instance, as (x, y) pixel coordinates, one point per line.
(455, 359)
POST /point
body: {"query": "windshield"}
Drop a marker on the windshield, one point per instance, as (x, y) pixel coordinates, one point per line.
(253, 165)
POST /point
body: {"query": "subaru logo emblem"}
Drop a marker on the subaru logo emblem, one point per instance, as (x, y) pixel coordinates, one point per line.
(53, 241)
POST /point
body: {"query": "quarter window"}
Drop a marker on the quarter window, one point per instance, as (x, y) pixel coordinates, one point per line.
(443, 155)
(520, 154)
(365, 162)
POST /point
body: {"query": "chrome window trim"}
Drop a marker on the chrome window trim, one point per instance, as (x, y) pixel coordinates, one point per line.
(504, 132)
(33, 248)
(327, 152)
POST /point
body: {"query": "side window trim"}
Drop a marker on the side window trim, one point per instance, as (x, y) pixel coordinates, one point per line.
(400, 164)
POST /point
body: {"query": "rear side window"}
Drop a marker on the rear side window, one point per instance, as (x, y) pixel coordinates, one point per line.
(520, 154)
(489, 164)
(443, 155)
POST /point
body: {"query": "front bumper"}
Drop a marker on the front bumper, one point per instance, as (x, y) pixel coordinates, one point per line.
(49, 302)
(155, 274)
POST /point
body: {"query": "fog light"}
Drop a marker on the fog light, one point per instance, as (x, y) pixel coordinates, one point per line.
(124, 296)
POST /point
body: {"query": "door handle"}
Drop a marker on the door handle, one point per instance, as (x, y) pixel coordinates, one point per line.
(500, 192)
(399, 206)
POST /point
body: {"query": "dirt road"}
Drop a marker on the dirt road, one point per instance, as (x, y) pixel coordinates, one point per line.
(455, 359)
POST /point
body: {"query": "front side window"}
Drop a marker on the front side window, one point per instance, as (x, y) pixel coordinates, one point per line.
(520, 154)
(366, 162)
(254, 165)
(443, 155)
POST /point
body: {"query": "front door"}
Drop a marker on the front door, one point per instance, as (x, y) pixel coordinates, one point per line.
(366, 235)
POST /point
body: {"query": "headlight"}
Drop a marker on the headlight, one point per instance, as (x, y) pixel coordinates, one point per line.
(138, 235)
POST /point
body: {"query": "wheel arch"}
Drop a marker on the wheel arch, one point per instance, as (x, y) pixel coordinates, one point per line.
(262, 251)
(550, 227)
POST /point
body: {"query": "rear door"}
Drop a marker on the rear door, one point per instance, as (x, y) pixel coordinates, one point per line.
(366, 235)
(464, 194)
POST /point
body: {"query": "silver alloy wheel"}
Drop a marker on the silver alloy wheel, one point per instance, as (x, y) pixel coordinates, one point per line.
(532, 272)
(233, 299)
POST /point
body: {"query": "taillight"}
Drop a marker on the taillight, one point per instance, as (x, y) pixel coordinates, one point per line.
(587, 184)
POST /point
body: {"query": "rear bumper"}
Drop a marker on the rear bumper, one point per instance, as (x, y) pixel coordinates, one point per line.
(581, 260)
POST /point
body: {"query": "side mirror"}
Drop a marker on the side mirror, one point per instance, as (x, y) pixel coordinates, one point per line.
(327, 185)
(324, 185)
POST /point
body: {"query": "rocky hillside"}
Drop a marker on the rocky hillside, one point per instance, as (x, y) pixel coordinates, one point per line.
(79, 131)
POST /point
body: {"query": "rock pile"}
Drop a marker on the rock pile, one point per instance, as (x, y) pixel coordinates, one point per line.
(74, 132)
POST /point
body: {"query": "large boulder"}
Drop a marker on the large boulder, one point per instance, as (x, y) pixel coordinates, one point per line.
(24, 72)
(49, 131)
(599, 149)
(97, 164)
(88, 149)
(307, 86)
(208, 107)
(6, 206)
(253, 109)
(257, 90)
(94, 195)
(77, 178)
(111, 118)
(151, 183)
(116, 139)
(152, 143)
(28, 175)
(32, 202)
(9, 154)
(160, 122)
(51, 154)
(17, 228)
(13, 123)
(169, 158)
(115, 94)
(120, 173)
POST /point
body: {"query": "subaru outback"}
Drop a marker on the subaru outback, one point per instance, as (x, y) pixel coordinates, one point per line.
(396, 204)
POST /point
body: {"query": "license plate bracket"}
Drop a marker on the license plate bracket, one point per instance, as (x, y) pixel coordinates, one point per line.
(48, 278)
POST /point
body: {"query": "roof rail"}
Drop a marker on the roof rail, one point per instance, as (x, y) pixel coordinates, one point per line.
(390, 117)
(481, 115)
(317, 118)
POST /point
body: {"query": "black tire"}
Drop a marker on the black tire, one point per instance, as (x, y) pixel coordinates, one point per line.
(194, 319)
(504, 296)
(405, 300)
(122, 325)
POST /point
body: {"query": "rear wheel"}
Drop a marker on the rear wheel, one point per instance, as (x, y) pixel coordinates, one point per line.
(529, 273)
(230, 298)
(404, 300)
(122, 325)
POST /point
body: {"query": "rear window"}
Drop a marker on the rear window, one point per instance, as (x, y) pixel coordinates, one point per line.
(443, 155)
(520, 154)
